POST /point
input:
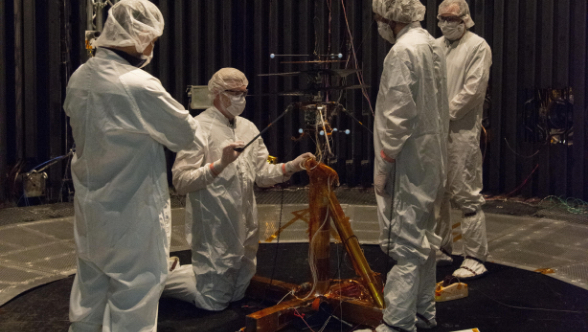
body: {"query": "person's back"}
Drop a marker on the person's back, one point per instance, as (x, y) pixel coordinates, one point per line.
(119, 150)
(425, 122)
(121, 118)
(416, 49)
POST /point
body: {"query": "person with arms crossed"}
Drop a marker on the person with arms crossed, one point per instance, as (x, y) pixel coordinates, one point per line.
(468, 70)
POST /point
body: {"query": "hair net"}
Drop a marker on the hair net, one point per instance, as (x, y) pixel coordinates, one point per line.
(403, 11)
(131, 22)
(226, 79)
(458, 8)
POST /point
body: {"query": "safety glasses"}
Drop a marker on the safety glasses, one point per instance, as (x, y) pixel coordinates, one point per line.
(450, 19)
(237, 93)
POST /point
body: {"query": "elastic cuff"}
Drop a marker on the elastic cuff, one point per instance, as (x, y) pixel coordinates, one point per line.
(386, 158)
(476, 259)
(211, 166)
(428, 321)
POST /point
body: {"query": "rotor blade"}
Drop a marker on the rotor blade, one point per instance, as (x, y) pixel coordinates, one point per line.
(294, 73)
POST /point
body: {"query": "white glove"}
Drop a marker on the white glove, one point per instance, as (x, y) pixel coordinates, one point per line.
(384, 177)
(297, 164)
(229, 155)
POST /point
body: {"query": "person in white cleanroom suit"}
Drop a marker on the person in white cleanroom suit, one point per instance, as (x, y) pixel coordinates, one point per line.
(221, 213)
(121, 118)
(468, 69)
(410, 135)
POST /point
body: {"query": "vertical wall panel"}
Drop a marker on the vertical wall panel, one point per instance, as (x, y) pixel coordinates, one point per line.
(545, 79)
(180, 45)
(584, 110)
(288, 47)
(3, 102)
(431, 16)
(53, 84)
(495, 150)
(19, 80)
(527, 55)
(510, 93)
(212, 38)
(195, 46)
(259, 50)
(354, 101)
(164, 47)
(561, 79)
(271, 112)
(305, 43)
(30, 79)
(226, 33)
(578, 59)
(479, 17)
(369, 69)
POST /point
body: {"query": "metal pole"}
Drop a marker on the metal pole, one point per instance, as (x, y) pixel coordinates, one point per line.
(89, 15)
(99, 15)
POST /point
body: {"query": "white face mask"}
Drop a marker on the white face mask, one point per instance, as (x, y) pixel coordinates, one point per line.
(386, 32)
(147, 58)
(237, 104)
(452, 30)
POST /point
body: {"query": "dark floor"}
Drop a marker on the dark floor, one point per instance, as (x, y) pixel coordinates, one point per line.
(502, 301)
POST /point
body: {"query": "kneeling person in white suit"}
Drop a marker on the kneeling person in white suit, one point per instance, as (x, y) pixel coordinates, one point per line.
(221, 213)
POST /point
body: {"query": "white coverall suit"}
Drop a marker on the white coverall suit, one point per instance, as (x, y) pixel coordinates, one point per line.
(468, 70)
(411, 127)
(221, 213)
(121, 118)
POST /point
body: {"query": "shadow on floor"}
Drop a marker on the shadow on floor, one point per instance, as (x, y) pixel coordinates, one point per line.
(495, 303)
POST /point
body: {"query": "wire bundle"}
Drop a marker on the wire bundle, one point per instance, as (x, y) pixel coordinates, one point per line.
(570, 204)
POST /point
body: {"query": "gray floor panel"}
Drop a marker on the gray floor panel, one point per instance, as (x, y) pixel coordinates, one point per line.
(61, 229)
(22, 237)
(36, 252)
(574, 274)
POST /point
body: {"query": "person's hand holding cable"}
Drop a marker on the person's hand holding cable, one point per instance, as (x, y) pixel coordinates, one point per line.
(297, 164)
(229, 155)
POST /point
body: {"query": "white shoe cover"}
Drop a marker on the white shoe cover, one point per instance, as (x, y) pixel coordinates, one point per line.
(470, 268)
(385, 328)
(442, 258)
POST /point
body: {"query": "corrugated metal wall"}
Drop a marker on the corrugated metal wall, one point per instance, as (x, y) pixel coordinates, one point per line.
(34, 54)
(536, 44)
